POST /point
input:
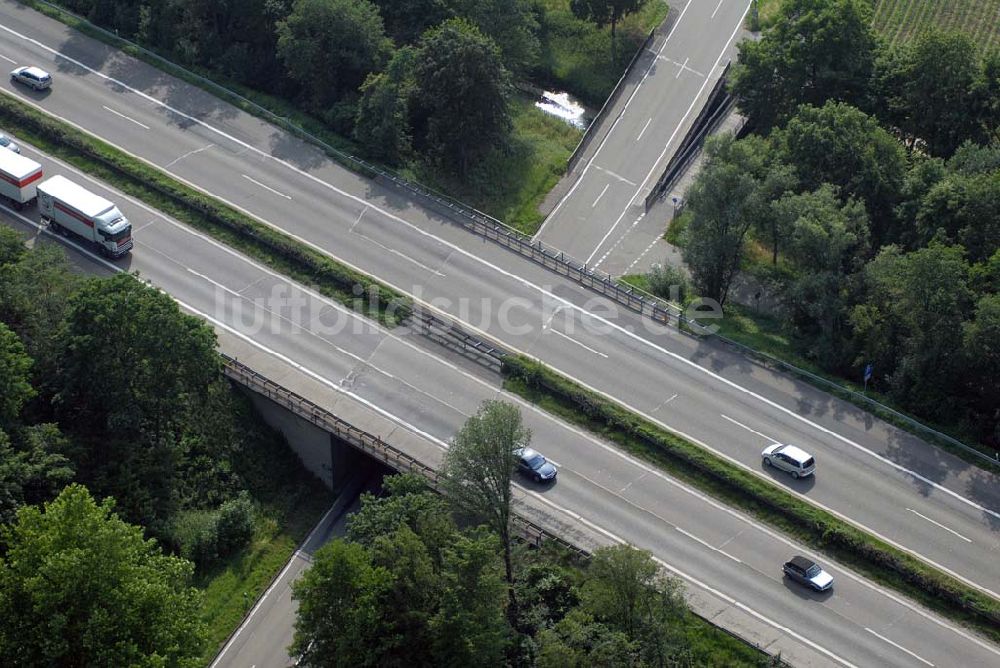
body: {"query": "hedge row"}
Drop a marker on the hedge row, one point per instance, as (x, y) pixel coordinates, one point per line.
(721, 478)
(280, 251)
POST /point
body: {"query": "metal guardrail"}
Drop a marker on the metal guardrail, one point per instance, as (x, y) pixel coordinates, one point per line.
(718, 102)
(451, 335)
(490, 228)
(371, 445)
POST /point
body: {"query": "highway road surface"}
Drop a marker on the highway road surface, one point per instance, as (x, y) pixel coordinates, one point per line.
(606, 201)
(729, 561)
(881, 478)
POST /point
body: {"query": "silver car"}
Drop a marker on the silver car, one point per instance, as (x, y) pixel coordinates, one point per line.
(8, 143)
(808, 572)
(32, 76)
(790, 458)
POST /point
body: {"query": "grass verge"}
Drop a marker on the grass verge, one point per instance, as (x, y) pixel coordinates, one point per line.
(712, 474)
(289, 502)
(261, 242)
(576, 54)
(511, 184)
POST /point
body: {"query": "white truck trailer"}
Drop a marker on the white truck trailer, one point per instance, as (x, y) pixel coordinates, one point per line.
(67, 207)
(19, 177)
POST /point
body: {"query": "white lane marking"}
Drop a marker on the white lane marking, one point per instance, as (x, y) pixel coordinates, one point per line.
(393, 250)
(625, 331)
(526, 283)
(717, 8)
(584, 346)
(9, 60)
(752, 431)
(722, 508)
(899, 647)
(548, 321)
(187, 155)
(225, 288)
(682, 68)
(620, 240)
(127, 118)
(644, 129)
(665, 402)
(586, 167)
(265, 187)
(673, 135)
(360, 216)
(708, 545)
(617, 176)
(642, 255)
(600, 196)
(967, 540)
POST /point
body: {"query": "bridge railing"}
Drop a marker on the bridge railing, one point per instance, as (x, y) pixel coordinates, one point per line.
(370, 444)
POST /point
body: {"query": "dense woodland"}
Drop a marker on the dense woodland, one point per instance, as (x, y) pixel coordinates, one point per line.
(410, 587)
(866, 203)
(107, 387)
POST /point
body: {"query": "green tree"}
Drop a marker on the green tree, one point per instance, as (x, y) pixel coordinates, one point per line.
(405, 501)
(406, 20)
(470, 628)
(12, 246)
(511, 24)
(339, 618)
(579, 641)
(916, 302)
(828, 244)
(605, 12)
(724, 202)
(155, 366)
(15, 375)
(383, 121)
(981, 347)
(479, 465)
(965, 209)
(329, 46)
(625, 589)
(79, 587)
(34, 294)
(33, 470)
(933, 90)
(153, 362)
(816, 50)
(843, 146)
(460, 102)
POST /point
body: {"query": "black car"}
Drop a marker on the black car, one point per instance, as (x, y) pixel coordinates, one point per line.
(808, 572)
(532, 464)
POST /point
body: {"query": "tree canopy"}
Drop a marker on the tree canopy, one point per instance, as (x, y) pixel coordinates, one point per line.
(80, 587)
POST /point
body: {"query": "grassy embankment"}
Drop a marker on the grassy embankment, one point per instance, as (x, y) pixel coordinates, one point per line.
(289, 502)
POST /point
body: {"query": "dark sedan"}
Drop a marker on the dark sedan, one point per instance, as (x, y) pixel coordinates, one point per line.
(532, 464)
